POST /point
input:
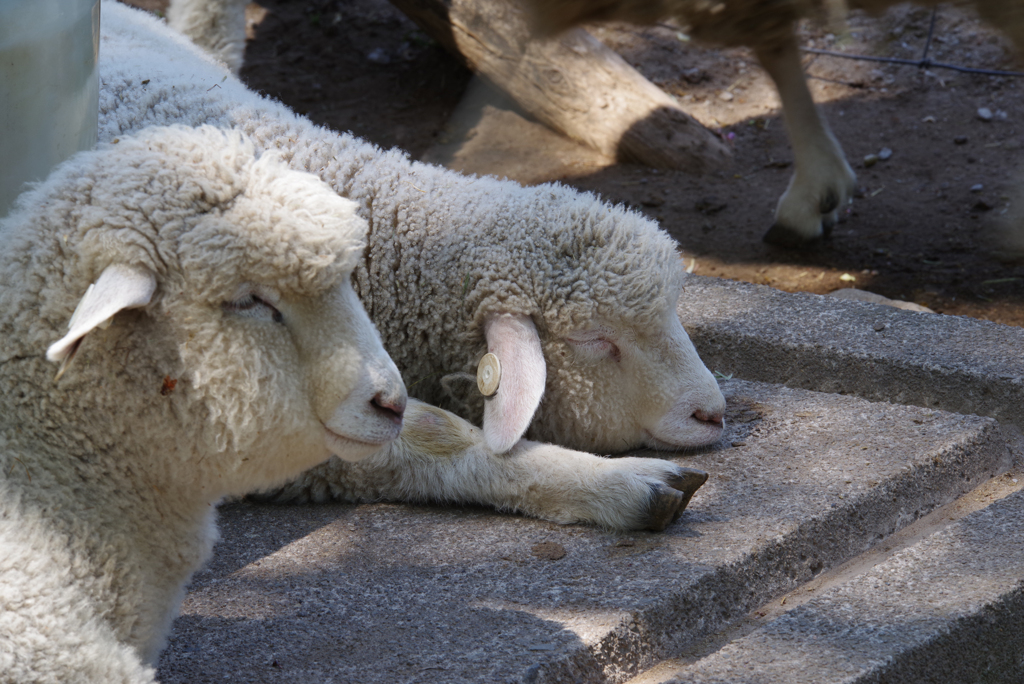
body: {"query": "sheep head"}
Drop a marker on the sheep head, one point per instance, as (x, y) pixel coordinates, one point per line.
(592, 353)
(612, 387)
(220, 311)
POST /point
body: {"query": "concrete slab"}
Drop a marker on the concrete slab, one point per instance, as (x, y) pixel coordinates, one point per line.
(394, 593)
(948, 609)
(877, 352)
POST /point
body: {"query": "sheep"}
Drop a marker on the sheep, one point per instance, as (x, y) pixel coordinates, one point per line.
(822, 182)
(220, 348)
(576, 298)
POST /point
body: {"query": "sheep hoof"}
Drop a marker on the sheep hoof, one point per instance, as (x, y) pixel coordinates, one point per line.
(669, 500)
(829, 203)
(784, 236)
(828, 222)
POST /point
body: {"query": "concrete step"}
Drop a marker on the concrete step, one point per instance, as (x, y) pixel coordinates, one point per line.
(872, 351)
(946, 607)
(802, 483)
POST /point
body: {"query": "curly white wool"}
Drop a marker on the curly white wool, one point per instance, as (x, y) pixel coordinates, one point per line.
(195, 340)
(458, 266)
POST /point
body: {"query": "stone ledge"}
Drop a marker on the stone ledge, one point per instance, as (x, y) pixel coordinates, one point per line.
(948, 609)
(848, 347)
(395, 593)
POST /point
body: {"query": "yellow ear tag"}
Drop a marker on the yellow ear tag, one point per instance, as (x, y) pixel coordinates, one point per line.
(488, 375)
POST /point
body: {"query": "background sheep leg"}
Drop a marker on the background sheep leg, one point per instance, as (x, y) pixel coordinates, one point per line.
(823, 182)
(217, 26)
(442, 458)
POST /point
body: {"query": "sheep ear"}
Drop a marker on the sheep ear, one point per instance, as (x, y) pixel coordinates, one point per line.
(119, 287)
(507, 414)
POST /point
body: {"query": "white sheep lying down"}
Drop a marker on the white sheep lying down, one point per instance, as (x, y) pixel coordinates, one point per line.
(576, 298)
(822, 182)
(219, 349)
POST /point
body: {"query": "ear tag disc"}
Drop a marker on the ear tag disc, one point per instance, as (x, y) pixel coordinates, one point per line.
(488, 375)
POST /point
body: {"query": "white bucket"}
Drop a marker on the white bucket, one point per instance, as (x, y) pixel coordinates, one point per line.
(49, 87)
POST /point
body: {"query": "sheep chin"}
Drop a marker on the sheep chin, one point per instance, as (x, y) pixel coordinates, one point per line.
(351, 449)
(673, 435)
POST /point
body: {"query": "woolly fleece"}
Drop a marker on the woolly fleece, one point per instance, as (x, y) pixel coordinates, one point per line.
(446, 250)
(109, 476)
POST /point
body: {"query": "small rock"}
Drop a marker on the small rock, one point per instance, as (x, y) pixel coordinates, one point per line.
(981, 205)
(709, 206)
(879, 326)
(985, 114)
(653, 201)
(725, 96)
(870, 160)
(379, 56)
(960, 140)
(977, 188)
(739, 443)
(548, 551)
(884, 154)
(696, 75)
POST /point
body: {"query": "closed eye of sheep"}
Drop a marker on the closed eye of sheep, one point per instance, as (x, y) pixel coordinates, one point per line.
(197, 299)
(576, 298)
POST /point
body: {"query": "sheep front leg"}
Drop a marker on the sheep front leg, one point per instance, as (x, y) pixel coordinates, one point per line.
(822, 182)
(443, 459)
(217, 26)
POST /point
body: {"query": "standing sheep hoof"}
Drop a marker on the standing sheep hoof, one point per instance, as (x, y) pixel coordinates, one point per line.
(669, 500)
(783, 236)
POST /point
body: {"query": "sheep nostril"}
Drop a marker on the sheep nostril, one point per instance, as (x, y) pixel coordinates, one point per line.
(391, 408)
(705, 417)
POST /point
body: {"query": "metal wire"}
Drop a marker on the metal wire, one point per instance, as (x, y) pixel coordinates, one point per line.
(923, 63)
(919, 63)
(931, 32)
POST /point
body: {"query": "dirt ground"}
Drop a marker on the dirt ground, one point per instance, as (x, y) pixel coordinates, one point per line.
(918, 230)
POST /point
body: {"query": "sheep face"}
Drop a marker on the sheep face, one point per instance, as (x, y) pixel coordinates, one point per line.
(627, 387)
(320, 384)
(247, 354)
(591, 351)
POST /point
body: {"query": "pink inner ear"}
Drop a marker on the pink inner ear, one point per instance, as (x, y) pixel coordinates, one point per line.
(120, 286)
(507, 415)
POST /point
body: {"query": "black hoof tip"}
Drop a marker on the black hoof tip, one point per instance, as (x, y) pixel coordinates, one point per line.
(783, 236)
(669, 500)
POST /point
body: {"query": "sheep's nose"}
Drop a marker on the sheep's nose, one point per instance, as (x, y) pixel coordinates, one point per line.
(706, 417)
(391, 407)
